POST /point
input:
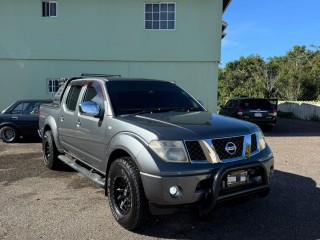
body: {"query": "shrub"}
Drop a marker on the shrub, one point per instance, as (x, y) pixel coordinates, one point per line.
(314, 117)
(290, 115)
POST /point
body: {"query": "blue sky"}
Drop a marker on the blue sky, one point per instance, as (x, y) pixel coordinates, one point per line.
(269, 28)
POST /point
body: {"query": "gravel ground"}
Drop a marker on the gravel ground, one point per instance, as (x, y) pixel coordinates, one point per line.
(36, 203)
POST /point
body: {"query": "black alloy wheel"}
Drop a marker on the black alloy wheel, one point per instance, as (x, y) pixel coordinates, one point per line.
(122, 195)
(127, 200)
(9, 134)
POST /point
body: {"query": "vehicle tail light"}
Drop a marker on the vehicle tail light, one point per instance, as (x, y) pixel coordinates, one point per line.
(240, 111)
(274, 112)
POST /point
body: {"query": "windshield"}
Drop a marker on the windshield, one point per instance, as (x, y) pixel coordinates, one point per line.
(143, 96)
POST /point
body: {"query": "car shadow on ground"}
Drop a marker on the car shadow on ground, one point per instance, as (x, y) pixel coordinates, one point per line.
(294, 128)
(290, 211)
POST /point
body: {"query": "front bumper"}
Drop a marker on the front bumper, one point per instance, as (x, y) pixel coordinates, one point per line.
(209, 186)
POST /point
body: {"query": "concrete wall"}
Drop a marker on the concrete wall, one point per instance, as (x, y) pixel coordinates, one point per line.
(27, 78)
(302, 110)
(107, 36)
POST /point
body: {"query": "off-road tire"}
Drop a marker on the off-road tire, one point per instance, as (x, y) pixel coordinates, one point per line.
(50, 152)
(9, 134)
(127, 200)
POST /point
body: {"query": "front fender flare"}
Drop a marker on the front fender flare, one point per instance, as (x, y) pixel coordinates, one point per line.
(133, 145)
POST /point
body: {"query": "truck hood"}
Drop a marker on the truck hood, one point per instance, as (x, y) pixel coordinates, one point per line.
(191, 125)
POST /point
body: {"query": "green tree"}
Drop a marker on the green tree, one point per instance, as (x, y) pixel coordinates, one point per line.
(294, 76)
(239, 78)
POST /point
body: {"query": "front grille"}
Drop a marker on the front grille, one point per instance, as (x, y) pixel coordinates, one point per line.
(195, 150)
(220, 145)
(196, 153)
(254, 145)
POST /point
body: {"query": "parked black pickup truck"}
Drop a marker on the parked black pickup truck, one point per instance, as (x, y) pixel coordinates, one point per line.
(20, 119)
(152, 146)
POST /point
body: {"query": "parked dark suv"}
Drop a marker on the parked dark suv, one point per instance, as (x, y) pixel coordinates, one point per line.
(260, 111)
(20, 119)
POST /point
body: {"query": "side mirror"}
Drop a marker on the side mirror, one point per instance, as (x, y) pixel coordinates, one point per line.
(90, 108)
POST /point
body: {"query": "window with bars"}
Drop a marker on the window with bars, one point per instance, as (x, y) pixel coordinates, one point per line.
(160, 16)
(49, 9)
(53, 85)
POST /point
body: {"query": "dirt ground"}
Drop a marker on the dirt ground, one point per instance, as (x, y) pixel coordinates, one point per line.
(36, 203)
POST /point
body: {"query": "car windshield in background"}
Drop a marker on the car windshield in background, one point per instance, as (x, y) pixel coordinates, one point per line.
(256, 104)
(145, 96)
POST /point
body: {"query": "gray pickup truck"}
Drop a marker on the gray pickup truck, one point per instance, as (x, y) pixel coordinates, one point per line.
(152, 146)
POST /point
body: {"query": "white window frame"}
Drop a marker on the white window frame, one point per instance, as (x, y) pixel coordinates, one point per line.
(47, 11)
(51, 85)
(160, 29)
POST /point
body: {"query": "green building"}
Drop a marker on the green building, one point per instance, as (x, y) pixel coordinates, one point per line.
(42, 41)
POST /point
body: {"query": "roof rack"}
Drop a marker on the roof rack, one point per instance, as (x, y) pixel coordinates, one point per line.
(99, 75)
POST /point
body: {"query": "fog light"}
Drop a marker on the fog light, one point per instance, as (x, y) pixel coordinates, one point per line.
(175, 191)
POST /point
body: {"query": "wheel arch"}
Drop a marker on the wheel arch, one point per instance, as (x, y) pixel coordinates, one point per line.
(124, 145)
(50, 124)
(116, 154)
(11, 124)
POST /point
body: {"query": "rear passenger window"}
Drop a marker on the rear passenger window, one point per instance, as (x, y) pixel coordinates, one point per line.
(72, 98)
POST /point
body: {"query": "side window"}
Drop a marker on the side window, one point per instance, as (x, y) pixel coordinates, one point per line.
(52, 85)
(49, 9)
(233, 104)
(160, 16)
(34, 108)
(228, 104)
(94, 93)
(72, 98)
(26, 108)
(18, 109)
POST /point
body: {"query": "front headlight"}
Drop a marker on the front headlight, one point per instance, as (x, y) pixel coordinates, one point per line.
(170, 151)
(262, 142)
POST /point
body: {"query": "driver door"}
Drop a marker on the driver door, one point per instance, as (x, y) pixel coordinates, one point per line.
(90, 132)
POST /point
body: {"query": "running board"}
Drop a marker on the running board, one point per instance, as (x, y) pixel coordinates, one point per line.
(98, 179)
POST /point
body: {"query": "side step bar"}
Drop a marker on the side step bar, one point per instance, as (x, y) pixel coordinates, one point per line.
(98, 179)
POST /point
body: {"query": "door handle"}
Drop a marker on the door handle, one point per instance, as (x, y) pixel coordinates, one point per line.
(78, 123)
(15, 118)
(61, 118)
